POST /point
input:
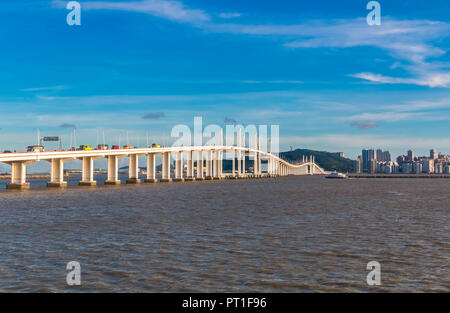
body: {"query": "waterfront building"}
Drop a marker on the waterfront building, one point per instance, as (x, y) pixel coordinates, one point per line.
(358, 165)
(410, 155)
(417, 168)
(433, 154)
(428, 166)
(407, 168)
(438, 168)
(446, 169)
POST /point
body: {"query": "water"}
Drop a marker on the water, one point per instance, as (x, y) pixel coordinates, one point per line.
(291, 234)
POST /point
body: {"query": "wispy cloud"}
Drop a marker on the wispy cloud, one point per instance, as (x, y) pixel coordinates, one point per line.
(229, 15)
(67, 125)
(410, 41)
(229, 120)
(153, 116)
(50, 88)
(272, 82)
(168, 9)
(430, 79)
(365, 125)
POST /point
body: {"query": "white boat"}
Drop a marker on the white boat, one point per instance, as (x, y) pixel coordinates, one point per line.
(336, 175)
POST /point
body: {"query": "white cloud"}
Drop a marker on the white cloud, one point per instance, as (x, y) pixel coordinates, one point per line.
(229, 15)
(428, 79)
(50, 88)
(168, 9)
(272, 82)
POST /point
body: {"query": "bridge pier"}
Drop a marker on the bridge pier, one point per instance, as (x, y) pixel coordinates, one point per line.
(200, 165)
(190, 166)
(166, 168)
(239, 163)
(57, 174)
(209, 174)
(18, 175)
(87, 175)
(216, 165)
(113, 170)
(151, 169)
(133, 169)
(179, 167)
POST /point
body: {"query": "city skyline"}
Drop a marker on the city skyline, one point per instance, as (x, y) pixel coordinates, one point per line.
(329, 80)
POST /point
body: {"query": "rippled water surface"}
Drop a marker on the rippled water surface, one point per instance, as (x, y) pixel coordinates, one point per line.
(291, 234)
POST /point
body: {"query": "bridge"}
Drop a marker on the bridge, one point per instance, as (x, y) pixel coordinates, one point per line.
(202, 163)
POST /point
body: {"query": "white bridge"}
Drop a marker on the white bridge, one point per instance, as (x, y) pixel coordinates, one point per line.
(202, 162)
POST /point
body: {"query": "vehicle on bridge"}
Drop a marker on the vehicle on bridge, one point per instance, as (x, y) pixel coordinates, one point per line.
(156, 145)
(85, 148)
(102, 147)
(127, 147)
(115, 147)
(36, 148)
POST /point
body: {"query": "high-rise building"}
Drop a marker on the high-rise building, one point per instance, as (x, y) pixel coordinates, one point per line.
(410, 155)
(428, 166)
(379, 155)
(386, 156)
(358, 165)
(367, 157)
(433, 154)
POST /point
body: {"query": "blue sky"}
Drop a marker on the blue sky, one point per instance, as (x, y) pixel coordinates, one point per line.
(316, 69)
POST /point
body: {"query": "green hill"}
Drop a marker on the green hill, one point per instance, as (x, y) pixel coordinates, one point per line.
(329, 161)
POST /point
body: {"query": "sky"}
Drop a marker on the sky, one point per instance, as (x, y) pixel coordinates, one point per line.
(315, 68)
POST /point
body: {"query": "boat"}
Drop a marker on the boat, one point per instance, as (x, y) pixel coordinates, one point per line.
(336, 175)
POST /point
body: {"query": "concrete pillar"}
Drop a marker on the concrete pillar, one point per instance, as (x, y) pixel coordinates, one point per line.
(209, 165)
(233, 163)
(57, 174)
(190, 166)
(179, 167)
(113, 170)
(220, 169)
(166, 168)
(239, 163)
(216, 165)
(18, 176)
(133, 169)
(200, 165)
(151, 169)
(259, 164)
(87, 175)
(243, 163)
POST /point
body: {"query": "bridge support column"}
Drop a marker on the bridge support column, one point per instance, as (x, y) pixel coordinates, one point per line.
(166, 168)
(113, 170)
(243, 164)
(200, 165)
(57, 174)
(190, 166)
(239, 163)
(151, 169)
(179, 167)
(221, 152)
(216, 165)
(133, 169)
(18, 176)
(233, 163)
(259, 164)
(87, 175)
(209, 174)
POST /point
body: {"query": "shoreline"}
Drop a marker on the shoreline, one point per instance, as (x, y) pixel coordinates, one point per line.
(398, 175)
